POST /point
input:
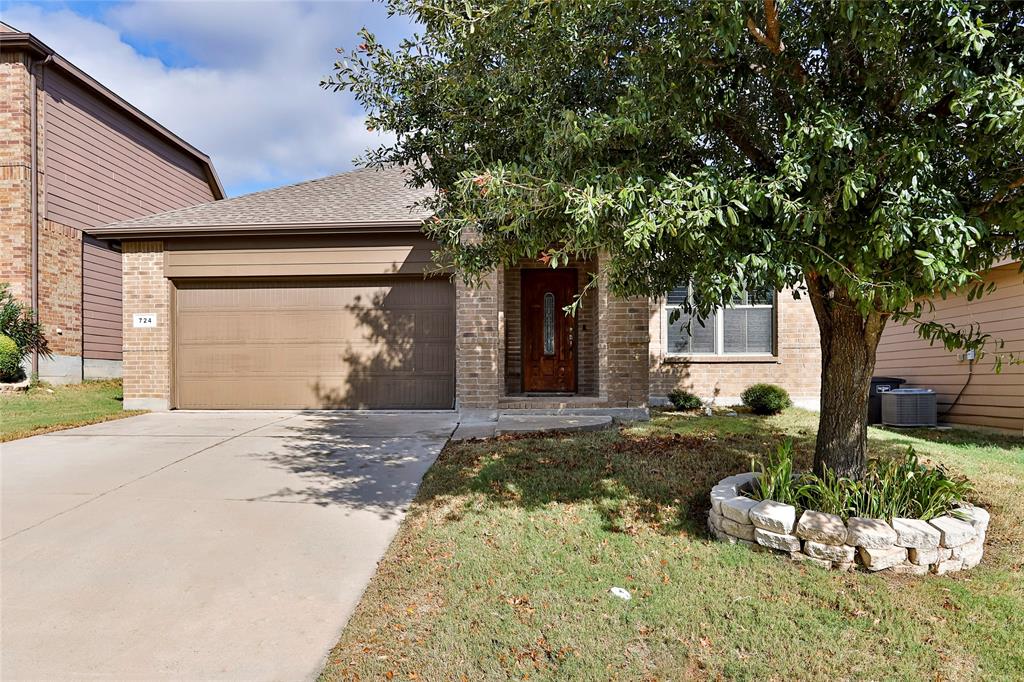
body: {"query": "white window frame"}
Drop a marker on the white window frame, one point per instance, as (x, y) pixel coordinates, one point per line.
(666, 310)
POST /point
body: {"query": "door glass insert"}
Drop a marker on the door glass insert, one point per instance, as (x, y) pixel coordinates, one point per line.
(549, 323)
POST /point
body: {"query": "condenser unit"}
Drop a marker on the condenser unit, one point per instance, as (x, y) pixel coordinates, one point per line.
(909, 407)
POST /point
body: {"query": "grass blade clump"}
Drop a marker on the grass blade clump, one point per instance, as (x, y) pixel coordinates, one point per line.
(891, 488)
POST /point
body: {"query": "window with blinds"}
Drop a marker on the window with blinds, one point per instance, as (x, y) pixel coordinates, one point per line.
(745, 327)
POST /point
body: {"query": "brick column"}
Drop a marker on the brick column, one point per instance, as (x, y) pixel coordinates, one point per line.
(147, 350)
(623, 346)
(480, 362)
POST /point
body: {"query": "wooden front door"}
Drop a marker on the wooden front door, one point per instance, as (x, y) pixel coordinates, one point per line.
(549, 333)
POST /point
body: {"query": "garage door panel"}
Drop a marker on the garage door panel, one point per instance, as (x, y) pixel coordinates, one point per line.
(382, 344)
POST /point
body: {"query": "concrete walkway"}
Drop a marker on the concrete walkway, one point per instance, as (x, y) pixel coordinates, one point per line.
(216, 545)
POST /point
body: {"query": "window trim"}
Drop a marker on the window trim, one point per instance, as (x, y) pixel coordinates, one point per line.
(720, 354)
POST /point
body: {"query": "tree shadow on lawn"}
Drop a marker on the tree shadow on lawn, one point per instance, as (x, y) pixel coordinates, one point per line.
(633, 481)
(659, 479)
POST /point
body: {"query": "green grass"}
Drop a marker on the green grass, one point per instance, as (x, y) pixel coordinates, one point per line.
(502, 569)
(46, 408)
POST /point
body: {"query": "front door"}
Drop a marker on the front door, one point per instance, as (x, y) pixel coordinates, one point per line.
(549, 333)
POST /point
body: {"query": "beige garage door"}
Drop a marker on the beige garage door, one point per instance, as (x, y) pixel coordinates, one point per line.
(314, 344)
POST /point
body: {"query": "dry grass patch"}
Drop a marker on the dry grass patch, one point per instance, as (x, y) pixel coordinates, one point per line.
(502, 569)
(44, 408)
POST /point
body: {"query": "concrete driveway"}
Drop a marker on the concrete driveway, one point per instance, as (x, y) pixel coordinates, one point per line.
(199, 545)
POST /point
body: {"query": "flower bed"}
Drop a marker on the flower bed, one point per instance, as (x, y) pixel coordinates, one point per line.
(908, 546)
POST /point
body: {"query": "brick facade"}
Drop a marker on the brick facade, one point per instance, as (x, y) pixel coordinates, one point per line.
(60, 287)
(147, 350)
(15, 175)
(796, 364)
(479, 350)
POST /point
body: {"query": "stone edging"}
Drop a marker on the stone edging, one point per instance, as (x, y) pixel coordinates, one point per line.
(907, 546)
(16, 386)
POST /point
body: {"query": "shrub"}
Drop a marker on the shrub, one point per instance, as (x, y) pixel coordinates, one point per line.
(684, 400)
(18, 323)
(10, 359)
(766, 398)
(891, 488)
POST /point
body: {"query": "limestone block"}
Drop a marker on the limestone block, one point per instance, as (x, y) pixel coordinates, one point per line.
(876, 559)
(820, 550)
(804, 559)
(720, 493)
(977, 517)
(774, 516)
(954, 532)
(738, 508)
(780, 541)
(740, 531)
(923, 557)
(870, 533)
(821, 527)
(916, 533)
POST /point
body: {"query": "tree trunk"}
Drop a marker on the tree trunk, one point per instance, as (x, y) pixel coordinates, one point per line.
(849, 340)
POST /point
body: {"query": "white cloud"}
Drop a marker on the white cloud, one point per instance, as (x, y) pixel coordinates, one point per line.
(240, 82)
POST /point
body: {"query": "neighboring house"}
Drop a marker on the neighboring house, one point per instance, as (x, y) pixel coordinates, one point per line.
(969, 392)
(324, 294)
(74, 155)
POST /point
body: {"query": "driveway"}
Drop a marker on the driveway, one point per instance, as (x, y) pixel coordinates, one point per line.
(199, 545)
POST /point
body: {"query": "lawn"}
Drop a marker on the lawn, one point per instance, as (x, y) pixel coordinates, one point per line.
(46, 408)
(503, 566)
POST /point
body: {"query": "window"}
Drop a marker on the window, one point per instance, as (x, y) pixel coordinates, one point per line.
(549, 323)
(745, 327)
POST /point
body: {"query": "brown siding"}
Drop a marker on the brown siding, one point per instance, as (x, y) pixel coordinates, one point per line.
(103, 167)
(101, 301)
(995, 400)
(298, 256)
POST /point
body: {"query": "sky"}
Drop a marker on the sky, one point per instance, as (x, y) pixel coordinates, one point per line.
(237, 79)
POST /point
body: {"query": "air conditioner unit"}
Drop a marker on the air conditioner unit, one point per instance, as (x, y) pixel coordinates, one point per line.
(909, 407)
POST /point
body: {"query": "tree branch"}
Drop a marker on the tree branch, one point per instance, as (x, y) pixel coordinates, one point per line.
(738, 137)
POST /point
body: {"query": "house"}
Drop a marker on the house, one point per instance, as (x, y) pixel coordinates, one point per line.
(74, 155)
(325, 294)
(969, 391)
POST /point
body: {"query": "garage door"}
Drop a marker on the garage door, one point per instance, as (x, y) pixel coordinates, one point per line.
(315, 344)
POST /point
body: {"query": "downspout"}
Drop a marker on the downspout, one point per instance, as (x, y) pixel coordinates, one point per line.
(34, 201)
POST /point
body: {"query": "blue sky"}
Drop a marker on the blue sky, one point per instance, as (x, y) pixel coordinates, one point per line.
(239, 80)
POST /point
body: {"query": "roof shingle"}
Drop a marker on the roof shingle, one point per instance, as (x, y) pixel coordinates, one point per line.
(364, 197)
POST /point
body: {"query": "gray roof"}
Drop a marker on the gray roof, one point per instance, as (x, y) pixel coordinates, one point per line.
(360, 199)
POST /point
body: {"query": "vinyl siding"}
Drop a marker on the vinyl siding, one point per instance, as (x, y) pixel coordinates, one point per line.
(407, 254)
(101, 301)
(102, 167)
(993, 400)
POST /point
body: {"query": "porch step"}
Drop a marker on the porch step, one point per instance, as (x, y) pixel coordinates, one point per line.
(550, 402)
(531, 423)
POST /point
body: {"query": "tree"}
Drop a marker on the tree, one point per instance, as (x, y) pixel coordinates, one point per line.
(868, 154)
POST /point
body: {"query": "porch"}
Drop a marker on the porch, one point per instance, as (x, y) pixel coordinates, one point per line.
(519, 351)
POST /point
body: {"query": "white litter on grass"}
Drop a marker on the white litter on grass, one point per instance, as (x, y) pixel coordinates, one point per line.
(621, 593)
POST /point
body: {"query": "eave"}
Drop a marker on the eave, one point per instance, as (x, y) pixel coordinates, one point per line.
(170, 232)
